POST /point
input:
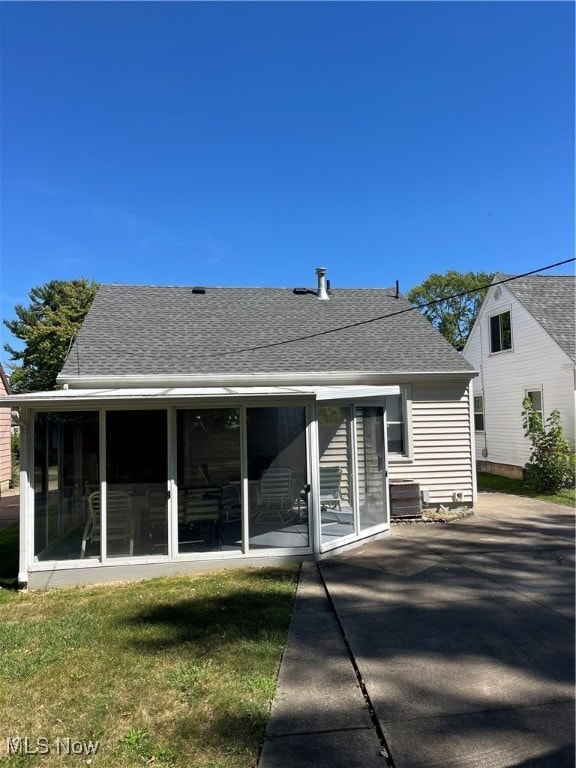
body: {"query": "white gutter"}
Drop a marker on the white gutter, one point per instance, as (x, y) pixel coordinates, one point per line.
(305, 378)
(67, 397)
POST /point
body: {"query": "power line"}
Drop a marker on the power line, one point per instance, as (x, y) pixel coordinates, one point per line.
(394, 314)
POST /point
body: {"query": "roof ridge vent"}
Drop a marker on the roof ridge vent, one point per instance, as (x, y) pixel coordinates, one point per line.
(199, 289)
(322, 292)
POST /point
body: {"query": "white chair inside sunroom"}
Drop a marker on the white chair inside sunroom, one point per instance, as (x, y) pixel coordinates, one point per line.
(331, 496)
(275, 495)
(119, 521)
(330, 479)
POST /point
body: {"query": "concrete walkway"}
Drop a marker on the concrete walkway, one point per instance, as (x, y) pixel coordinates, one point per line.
(9, 507)
(448, 646)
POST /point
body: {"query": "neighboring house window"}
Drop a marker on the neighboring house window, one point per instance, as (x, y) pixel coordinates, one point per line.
(500, 332)
(397, 422)
(535, 396)
(479, 413)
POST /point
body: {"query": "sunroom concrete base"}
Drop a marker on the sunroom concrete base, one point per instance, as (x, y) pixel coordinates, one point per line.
(96, 573)
(100, 574)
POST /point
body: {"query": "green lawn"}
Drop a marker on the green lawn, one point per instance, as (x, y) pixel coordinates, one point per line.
(487, 482)
(167, 672)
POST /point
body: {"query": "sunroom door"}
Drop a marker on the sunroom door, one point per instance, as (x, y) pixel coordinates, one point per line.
(277, 477)
(136, 485)
(352, 471)
(336, 473)
(209, 480)
(371, 461)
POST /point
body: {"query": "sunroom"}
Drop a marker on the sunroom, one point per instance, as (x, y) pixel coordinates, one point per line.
(145, 482)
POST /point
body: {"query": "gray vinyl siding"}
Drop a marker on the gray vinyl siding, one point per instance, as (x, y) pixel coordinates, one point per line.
(335, 454)
(441, 434)
(362, 469)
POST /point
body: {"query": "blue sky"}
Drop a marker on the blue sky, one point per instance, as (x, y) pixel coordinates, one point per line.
(248, 143)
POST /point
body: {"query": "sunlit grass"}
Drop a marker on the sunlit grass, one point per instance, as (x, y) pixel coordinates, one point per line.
(488, 482)
(168, 672)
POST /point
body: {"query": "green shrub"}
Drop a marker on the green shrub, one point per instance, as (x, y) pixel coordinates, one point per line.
(15, 455)
(551, 465)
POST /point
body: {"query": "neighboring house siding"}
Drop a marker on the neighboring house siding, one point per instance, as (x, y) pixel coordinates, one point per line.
(5, 438)
(441, 443)
(535, 362)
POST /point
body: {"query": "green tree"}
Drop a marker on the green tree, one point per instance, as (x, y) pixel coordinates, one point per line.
(551, 464)
(47, 327)
(450, 312)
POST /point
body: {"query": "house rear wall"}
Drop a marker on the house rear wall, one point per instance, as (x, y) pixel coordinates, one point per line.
(442, 446)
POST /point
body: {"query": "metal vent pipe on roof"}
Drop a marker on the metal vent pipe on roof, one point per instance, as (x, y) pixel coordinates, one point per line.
(322, 292)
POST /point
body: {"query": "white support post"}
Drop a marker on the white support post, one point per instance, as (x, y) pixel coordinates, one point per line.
(172, 486)
(26, 551)
(245, 488)
(103, 486)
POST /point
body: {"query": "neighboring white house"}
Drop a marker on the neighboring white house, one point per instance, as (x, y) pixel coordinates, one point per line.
(523, 343)
(202, 427)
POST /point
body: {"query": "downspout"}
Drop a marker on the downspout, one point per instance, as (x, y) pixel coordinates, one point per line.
(485, 451)
(472, 442)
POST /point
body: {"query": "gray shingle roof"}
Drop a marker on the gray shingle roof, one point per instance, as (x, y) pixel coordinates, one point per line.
(551, 300)
(155, 330)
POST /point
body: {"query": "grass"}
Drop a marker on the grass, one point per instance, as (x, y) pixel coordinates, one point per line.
(488, 482)
(174, 672)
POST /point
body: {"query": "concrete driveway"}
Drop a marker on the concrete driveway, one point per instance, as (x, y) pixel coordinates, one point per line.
(462, 636)
(9, 507)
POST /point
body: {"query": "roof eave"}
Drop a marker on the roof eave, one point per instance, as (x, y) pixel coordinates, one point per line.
(260, 379)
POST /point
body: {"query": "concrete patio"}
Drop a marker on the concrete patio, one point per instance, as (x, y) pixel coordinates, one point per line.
(443, 646)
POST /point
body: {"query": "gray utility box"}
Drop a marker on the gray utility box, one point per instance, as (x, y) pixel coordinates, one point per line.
(405, 500)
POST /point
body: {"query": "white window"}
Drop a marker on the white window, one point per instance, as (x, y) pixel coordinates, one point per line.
(479, 413)
(535, 396)
(500, 332)
(398, 424)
